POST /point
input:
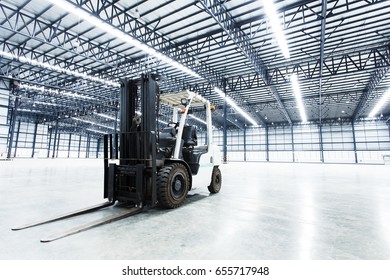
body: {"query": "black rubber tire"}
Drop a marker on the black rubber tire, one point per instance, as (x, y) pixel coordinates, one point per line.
(216, 181)
(173, 183)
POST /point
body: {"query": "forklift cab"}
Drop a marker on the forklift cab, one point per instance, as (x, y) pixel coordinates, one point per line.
(182, 144)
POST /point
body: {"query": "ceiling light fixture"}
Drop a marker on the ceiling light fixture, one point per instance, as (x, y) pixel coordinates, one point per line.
(106, 116)
(49, 104)
(95, 131)
(103, 25)
(29, 110)
(298, 97)
(118, 120)
(59, 69)
(55, 91)
(235, 106)
(163, 122)
(381, 103)
(270, 11)
(199, 120)
(93, 123)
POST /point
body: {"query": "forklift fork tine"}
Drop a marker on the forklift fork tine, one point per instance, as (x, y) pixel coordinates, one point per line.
(67, 215)
(102, 221)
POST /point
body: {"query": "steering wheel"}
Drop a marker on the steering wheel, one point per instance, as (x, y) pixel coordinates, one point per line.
(173, 124)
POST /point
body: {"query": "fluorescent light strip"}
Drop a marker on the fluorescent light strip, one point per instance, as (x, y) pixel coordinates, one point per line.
(55, 91)
(163, 122)
(270, 10)
(101, 24)
(235, 106)
(298, 97)
(96, 131)
(197, 119)
(118, 120)
(106, 116)
(48, 104)
(28, 110)
(97, 124)
(48, 66)
(381, 103)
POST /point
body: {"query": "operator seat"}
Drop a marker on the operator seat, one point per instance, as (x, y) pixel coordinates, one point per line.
(189, 136)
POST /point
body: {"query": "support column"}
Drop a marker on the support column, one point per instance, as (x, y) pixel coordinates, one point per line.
(354, 142)
(292, 143)
(79, 147)
(87, 148)
(55, 139)
(98, 147)
(114, 147)
(58, 144)
(12, 127)
(70, 141)
(266, 143)
(321, 144)
(245, 142)
(34, 139)
(48, 148)
(224, 124)
(17, 139)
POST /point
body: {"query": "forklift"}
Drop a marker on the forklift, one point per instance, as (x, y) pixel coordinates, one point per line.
(147, 166)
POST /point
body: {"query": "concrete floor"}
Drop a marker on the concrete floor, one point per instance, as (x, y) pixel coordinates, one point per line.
(264, 211)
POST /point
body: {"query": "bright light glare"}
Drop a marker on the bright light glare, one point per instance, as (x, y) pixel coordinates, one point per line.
(93, 123)
(381, 103)
(77, 11)
(105, 116)
(163, 122)
(57, 69)
(276, 28)
(199, 120)
(95, 131)
(235, 106)
(55, 91)
(298, 97)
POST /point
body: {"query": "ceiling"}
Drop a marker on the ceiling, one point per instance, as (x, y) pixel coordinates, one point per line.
(66, 69)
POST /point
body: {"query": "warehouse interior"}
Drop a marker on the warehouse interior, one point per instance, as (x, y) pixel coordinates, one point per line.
(301, 91)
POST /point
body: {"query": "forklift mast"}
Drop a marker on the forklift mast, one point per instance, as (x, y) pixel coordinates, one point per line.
(133, 180)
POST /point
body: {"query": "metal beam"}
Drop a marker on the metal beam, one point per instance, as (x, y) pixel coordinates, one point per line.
(58, 144)
(70, 141)
(244, 143)
(12, 127)
(34, 139)
(322, 46)
(79, 147)
(55, 139)
(348, 62)
(17, 139)
(321, 143)
(218, 11)
(98, 147)
(292, 143)
(267, 143)
(376, 78)
(50, 130)
(224, 125)
(354, 142)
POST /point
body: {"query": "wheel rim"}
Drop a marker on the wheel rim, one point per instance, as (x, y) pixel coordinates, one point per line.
(178, 186)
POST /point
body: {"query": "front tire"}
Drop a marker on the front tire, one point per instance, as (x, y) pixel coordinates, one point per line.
(173, 183)
(216, 180)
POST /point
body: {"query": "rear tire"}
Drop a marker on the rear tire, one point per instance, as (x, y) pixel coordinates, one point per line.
(216, 181)
(173, 183)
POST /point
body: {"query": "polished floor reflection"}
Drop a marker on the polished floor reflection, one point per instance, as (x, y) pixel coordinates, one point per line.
(264, 211)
